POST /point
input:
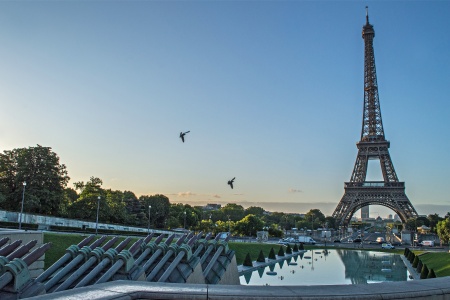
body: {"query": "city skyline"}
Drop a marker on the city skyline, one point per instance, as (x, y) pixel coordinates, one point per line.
(271, 92)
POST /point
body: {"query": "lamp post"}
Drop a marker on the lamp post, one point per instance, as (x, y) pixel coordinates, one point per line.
(229, 224)
(184, 220)
(98, 208)
(21, 209)
(149, 210)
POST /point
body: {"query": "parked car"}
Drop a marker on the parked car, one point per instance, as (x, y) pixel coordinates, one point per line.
(357, 241)
(337, 241)
(427, 243)
(387, 246)
(380, 240)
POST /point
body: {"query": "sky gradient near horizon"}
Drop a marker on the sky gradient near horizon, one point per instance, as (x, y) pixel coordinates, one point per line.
(271, 91)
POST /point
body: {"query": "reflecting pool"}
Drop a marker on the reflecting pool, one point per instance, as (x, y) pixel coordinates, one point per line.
(336, 266)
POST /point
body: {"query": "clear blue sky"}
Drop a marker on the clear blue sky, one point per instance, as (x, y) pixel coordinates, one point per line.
(272, 92)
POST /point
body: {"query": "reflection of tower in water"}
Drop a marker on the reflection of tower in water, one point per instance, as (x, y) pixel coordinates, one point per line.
(364, 266)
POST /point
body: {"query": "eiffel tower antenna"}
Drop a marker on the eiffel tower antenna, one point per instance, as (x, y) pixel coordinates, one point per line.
(358, 192)
(367, 15)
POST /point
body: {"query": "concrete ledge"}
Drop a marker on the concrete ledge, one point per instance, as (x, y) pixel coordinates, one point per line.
(37, 267)
(436, 289)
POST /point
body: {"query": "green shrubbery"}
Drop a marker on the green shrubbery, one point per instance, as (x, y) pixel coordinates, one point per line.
(424, 273)
(415, 262)
(272, 254)
(261, 257)
(288, 249)
(248, 261)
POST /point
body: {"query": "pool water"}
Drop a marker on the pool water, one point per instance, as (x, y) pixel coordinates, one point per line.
(325, 267)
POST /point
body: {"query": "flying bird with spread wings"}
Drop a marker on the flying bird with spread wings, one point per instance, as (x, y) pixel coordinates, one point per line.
(182, 134)
(230, 182)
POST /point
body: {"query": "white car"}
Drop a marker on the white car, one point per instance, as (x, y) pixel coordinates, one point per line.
(387, 246)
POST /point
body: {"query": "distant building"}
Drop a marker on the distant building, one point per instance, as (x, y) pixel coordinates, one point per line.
(389, 217)
(365, 212)
(211, 206)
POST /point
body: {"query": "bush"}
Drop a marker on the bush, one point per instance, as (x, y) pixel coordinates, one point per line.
(406, 252)
(272, 254)
(295, 248)
(415, 262)
(411, 257)
(301, 247)
(424, 273)
(288, 249)
(248, 261)
(431, 274)
(261, 257)
(281, 251)
(419, 266)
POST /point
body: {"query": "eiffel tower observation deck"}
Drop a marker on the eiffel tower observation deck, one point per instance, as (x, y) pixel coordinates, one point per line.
(358, 192)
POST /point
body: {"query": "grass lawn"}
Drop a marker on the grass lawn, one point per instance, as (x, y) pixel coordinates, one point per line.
(438, 261)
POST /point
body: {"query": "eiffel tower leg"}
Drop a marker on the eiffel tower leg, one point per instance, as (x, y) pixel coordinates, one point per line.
(392, 197)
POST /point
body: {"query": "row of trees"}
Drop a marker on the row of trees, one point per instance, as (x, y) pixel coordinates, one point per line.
(47, 194)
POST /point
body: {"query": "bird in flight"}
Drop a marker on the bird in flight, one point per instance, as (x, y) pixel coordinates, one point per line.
(182, 134)
(230, 182)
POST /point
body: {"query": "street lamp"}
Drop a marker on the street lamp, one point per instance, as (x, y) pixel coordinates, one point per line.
(149, 210)
(184, 220)
(96, 222)
(21, 209)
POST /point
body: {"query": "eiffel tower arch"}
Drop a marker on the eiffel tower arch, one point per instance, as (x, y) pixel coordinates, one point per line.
(358, 192)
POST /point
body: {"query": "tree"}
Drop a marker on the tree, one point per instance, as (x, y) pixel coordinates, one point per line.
(272, 254)
(274, 231)
(255, 210)
(288, 249)
(85, 207)
(434, 219)
(415, 262)
(331, 222)
(45, 180)
(261, 257)
(159, 212)
(419, 266)
(249, 225)
(411, 224)
(116, 211)
(431, 274)
(184, 212)
(315, 217)
(248, 261)
(443, 230)
(424, 273)
(234, 211)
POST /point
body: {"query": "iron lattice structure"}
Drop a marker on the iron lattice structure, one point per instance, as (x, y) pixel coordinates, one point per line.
(358, 192)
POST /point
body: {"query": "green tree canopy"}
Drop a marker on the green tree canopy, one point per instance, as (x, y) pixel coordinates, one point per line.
(249, 225)
(45, 180)
(85, 207)
(443, 230)
(234, 211)
(255, 210)
(159, 211)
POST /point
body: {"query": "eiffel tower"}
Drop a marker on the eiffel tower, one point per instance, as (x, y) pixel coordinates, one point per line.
(358, 192)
